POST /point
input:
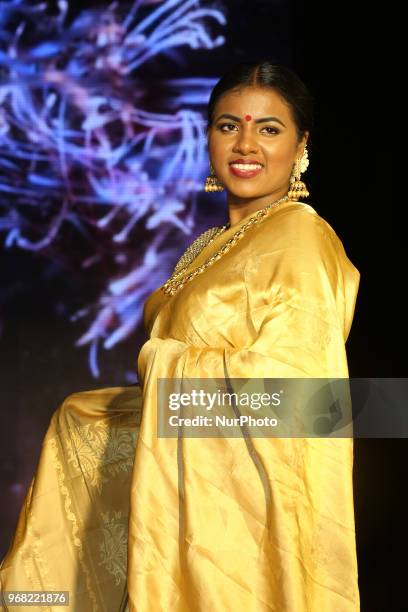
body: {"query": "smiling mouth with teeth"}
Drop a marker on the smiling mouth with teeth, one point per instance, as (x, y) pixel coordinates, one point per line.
(245, 171)
(246, 166)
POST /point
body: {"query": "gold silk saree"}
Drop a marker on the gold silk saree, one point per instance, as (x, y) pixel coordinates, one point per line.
(126, 520)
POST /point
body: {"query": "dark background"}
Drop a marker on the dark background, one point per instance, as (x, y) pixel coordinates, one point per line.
(347, 62)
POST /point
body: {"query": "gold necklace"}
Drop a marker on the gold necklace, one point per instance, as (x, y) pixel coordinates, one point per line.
(175, 283)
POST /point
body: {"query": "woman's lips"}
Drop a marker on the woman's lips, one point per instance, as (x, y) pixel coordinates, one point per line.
(242, 173)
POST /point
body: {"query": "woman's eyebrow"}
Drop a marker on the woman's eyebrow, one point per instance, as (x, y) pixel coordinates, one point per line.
(262, 120)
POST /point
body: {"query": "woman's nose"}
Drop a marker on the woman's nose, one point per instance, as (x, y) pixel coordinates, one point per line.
(246, 140)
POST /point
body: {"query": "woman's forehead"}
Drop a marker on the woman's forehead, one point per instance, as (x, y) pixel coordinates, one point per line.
(252, 102)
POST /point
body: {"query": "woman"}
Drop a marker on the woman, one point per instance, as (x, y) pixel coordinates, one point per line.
(216, 524)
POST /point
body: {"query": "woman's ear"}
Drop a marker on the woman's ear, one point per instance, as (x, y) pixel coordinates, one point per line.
(302, 144)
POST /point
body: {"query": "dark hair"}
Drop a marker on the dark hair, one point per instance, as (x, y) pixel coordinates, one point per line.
(274, 76)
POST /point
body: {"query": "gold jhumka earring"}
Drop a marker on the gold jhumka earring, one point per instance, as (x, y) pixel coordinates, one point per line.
(298, 188)
(212, 183)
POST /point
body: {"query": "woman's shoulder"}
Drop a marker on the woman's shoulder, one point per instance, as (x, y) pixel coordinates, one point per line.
(299, 227)
(294, 220)
(300, 222)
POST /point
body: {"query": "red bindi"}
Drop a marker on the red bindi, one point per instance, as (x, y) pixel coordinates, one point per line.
(248, 117)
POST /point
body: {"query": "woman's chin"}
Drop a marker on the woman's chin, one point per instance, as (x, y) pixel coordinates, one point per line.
(242, 191)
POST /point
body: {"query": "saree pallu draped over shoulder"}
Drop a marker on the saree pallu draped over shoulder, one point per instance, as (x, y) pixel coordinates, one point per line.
(241, 524)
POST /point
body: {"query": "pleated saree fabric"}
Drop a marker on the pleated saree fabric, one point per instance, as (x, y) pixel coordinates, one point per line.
(127, 520)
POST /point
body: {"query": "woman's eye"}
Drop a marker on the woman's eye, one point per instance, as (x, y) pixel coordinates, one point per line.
(225, 125)
(228, 125)
(272, 128)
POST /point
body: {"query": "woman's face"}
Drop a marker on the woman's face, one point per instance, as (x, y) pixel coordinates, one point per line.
(273, 143)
